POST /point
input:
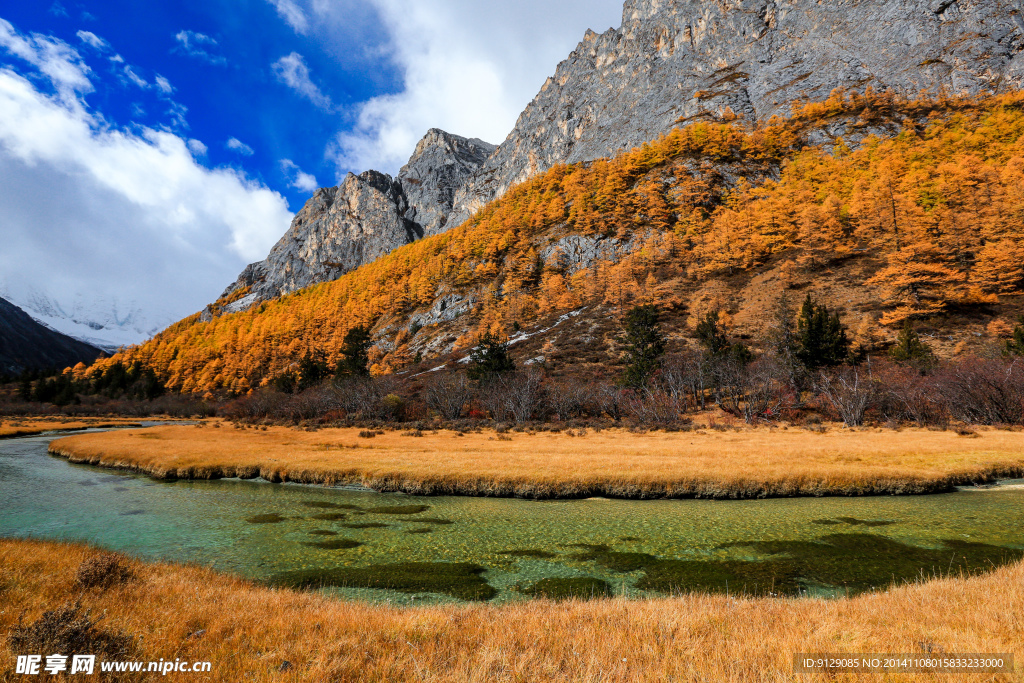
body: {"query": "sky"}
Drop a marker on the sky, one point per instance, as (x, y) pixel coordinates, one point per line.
(148, 151)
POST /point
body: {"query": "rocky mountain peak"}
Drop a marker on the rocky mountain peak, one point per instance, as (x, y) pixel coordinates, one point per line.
(440, 165)
(364, 217)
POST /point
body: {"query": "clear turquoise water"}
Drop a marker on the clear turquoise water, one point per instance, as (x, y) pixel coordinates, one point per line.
(206, 523)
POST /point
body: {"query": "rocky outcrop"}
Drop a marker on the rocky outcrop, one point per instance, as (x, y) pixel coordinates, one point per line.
(683, 60)
(440, 165)
(27, 345)
(670, 62)
(366, 216)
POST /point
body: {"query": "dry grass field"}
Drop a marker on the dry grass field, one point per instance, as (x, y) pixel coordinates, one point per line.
(253, 633)
(617, 463)
(11, 427)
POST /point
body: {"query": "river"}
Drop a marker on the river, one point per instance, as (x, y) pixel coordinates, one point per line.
(441, 549)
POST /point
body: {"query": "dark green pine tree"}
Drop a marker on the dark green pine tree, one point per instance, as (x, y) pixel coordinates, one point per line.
(911, 350)
(711, 335)
(713, 338)
(355, 358)
(645, 344)
(313, 369)
(1015, 345)
(822, 337)
(490, 359)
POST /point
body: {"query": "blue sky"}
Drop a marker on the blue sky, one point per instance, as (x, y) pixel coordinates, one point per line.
(148, 151)
(217, 58)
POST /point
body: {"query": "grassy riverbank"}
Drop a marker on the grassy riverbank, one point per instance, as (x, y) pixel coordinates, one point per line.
(249, 632)
(14, 427)
(616, 463)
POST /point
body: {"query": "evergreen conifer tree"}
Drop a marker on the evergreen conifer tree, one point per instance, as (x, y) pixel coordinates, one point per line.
(911, 350)
(713, 338)
(312, 369)
(822, 337)
(490, 359)
(645, 344)
(710, 334)
(1015, 345)
(355, 360)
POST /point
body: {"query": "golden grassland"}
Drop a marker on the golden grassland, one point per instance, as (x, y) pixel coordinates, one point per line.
(248, 631)
(614, 462)
(11, 427)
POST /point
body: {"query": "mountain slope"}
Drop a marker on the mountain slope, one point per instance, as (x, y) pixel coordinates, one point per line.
(689, 60)
(25, 344)
(670, 61)
(925, 223)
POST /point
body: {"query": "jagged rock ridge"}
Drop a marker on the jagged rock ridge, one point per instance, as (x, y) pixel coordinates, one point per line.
(671, 61)
(366, 216)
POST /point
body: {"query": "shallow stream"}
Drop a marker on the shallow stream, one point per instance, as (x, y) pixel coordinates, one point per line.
(404, 548)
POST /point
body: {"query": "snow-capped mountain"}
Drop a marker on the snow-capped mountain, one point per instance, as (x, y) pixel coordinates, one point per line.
(104, 321)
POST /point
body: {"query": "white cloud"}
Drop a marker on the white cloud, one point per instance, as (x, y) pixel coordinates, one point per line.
(198, 45)
(93, 40)
(292, 14)
(236, 145)
(54, 58)
(293, 72)
(163, 85)
(468, 67)
(197, 148)
(297, 178)
(57, 10)
(135, 78)
(90, 208)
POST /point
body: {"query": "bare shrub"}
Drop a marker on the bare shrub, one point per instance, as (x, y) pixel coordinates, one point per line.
(103, 571)
(848, 392)
(69, 631)
(769, 390)
(447, 394)
(610, 400)
(905, 395)
(653, 408)
(514, 397)
(572, 398)
(983, 391)
(686, 377)
(311, 404)
(364, 397)
(258, 405)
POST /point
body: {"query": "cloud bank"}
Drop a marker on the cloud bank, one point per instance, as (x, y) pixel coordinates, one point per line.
(89, 208)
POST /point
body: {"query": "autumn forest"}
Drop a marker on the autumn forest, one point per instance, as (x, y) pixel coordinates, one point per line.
(925, 196)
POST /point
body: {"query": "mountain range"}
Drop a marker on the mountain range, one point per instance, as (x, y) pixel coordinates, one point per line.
(27, 345)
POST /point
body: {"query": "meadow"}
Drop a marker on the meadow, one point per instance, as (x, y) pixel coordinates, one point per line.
(701, 463)
(255, 633)
(12, 427)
